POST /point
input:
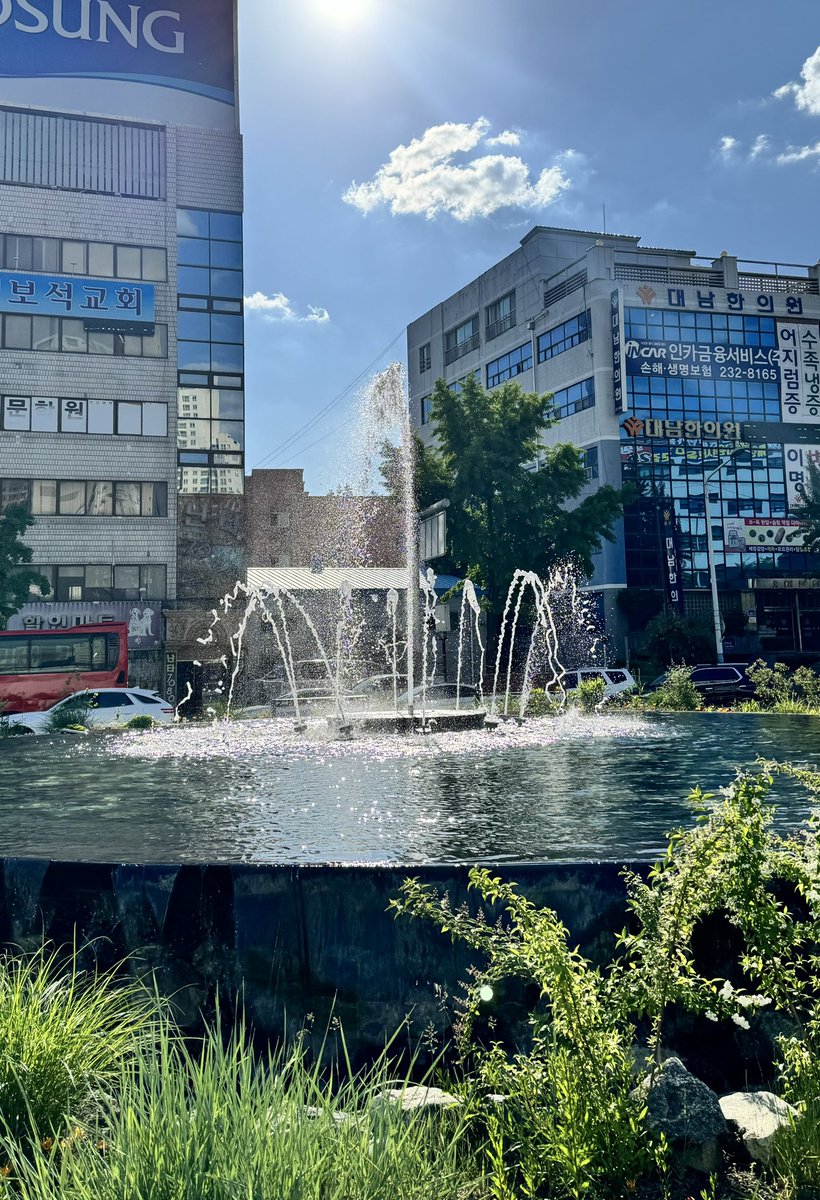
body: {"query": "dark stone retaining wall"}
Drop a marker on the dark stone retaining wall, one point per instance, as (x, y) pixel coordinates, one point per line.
(288, 940)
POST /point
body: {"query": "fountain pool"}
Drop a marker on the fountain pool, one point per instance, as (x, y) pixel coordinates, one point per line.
(559, 789)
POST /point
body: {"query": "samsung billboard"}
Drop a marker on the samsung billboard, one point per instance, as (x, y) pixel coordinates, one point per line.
(168, 60)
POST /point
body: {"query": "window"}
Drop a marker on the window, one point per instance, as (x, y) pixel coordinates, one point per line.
(461, 340)
(426, 409)
(69, 335)
(509, 365)
(573, 399)
(565, 336)
(425, 358)
(499, 316)
(110, 699)
(590, 461)
(79, 498)
(72, 257)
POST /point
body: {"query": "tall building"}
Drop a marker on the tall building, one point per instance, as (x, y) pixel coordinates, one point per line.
(121, 341)
(696, 380)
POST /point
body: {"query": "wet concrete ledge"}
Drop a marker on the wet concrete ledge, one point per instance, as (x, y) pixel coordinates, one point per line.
(289, 940)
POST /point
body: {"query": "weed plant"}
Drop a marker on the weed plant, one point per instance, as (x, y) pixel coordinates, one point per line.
(213, 1122)
(677, 693)
(71, 715)
(63, 1036)
(588, 696)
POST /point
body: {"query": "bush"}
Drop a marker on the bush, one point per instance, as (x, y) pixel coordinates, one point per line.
(588, 695)
(784, 689)
(671, 638)
(63, 1034)
(677, 692)
(71, 715)
(143, 721)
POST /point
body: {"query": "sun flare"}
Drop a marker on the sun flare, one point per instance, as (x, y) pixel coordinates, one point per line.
(343, 13)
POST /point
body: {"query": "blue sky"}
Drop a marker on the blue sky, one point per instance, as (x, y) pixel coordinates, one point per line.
(394, 149)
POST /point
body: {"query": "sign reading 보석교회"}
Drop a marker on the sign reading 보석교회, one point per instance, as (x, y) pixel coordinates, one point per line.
(102, 301)
(187, 45)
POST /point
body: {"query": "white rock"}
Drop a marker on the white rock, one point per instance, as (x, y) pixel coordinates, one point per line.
(758, 1115)
(415, 1097)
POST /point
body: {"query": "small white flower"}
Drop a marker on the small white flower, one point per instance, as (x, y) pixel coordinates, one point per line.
(745, 1001)
(741, 1021)
(710, 1016)
(762, 1001)
(726, 991)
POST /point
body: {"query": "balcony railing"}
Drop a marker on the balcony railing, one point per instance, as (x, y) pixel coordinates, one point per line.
(453, 353)
(500, 326)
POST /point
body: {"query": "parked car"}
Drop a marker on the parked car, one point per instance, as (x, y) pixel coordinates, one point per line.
(726, 681)
(443, 695)
(378, 687)
(108, 706)
(616, 679)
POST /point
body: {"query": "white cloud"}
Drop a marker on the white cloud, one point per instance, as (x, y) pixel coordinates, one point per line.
(806, 94)
(278, 308)
(760, 145)
(422, 178)
(727, 146)
(508, 138)
(796, 154)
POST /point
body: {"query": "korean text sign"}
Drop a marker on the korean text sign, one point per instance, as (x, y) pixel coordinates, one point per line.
(109, 300)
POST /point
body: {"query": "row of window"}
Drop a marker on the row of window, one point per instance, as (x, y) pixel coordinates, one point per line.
(707, 399)
(210, 435)
(214, 358)
(31, 655)
(50, 414)
(671, 325)
(509, 365)
(564, 336)
(200, 480)
(205, 223)
(196, 403)
(199, 281)
(144, 581)
(66, 256)
(67, 335)
(85, 497)
(206, 327)
(573, 399)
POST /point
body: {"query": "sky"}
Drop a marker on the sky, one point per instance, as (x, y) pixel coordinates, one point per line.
(395, 149)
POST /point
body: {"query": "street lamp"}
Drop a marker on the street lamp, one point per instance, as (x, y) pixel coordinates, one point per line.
(710, 548)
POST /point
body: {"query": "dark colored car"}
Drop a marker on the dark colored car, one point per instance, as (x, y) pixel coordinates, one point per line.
(726, 681)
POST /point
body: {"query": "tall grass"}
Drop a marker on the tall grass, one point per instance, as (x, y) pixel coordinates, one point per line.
(216, 1123)
(63, 1035)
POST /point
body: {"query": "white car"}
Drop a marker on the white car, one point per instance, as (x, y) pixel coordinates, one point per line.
(106, 706)
(616, 679)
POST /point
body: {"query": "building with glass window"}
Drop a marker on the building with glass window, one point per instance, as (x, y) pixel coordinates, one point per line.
(121, 341)
(695, 380)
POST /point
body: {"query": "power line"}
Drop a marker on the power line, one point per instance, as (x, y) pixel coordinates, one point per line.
(308, 425)
(323, 438)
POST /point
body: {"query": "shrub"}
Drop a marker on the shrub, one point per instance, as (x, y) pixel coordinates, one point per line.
(63, 1034)
(671, 638)
(588, 695)
(677, 692)
(783, 689)
(143, 721)
(71, 715)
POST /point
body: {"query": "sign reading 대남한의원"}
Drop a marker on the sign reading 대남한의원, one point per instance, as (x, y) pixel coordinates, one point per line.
(740, 533)
(101, 301)
(187, 45)
(654, 427)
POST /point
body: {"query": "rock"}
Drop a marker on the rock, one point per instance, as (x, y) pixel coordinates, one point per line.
(758, 1116)
(686, 1111)
(415, 1098)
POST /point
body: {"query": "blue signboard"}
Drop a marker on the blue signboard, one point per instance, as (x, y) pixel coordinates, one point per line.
(187, 44)
(703, 360)
(108, 301)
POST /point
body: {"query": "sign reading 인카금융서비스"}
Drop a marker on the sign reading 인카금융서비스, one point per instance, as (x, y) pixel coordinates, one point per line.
(101, 301)
(160, 59)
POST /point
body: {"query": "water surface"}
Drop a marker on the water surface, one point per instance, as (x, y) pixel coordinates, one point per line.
(573, 788)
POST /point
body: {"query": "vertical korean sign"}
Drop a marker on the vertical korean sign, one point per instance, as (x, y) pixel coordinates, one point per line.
(170, 686)
(671, 558)
(616, 325)
(799, 353)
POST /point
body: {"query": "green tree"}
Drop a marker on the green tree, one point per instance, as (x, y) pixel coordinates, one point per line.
(501, 515)
(15, 582)
(672, 638)
(809, 508)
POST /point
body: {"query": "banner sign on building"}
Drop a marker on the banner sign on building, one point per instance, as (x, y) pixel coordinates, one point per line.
(186, 45)
(702, 360)
(103, 302)
(716, 300)
(671, 558)
(798, 584)
(798, 347)
(741, 533)
(144, 618)
(655, 427)
(616, 324)
(797, 463)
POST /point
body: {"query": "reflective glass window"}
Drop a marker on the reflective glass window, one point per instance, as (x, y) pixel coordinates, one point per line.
(72, 498)
(227, 254)
(192, 222)
(226, 226)
(192, 252)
